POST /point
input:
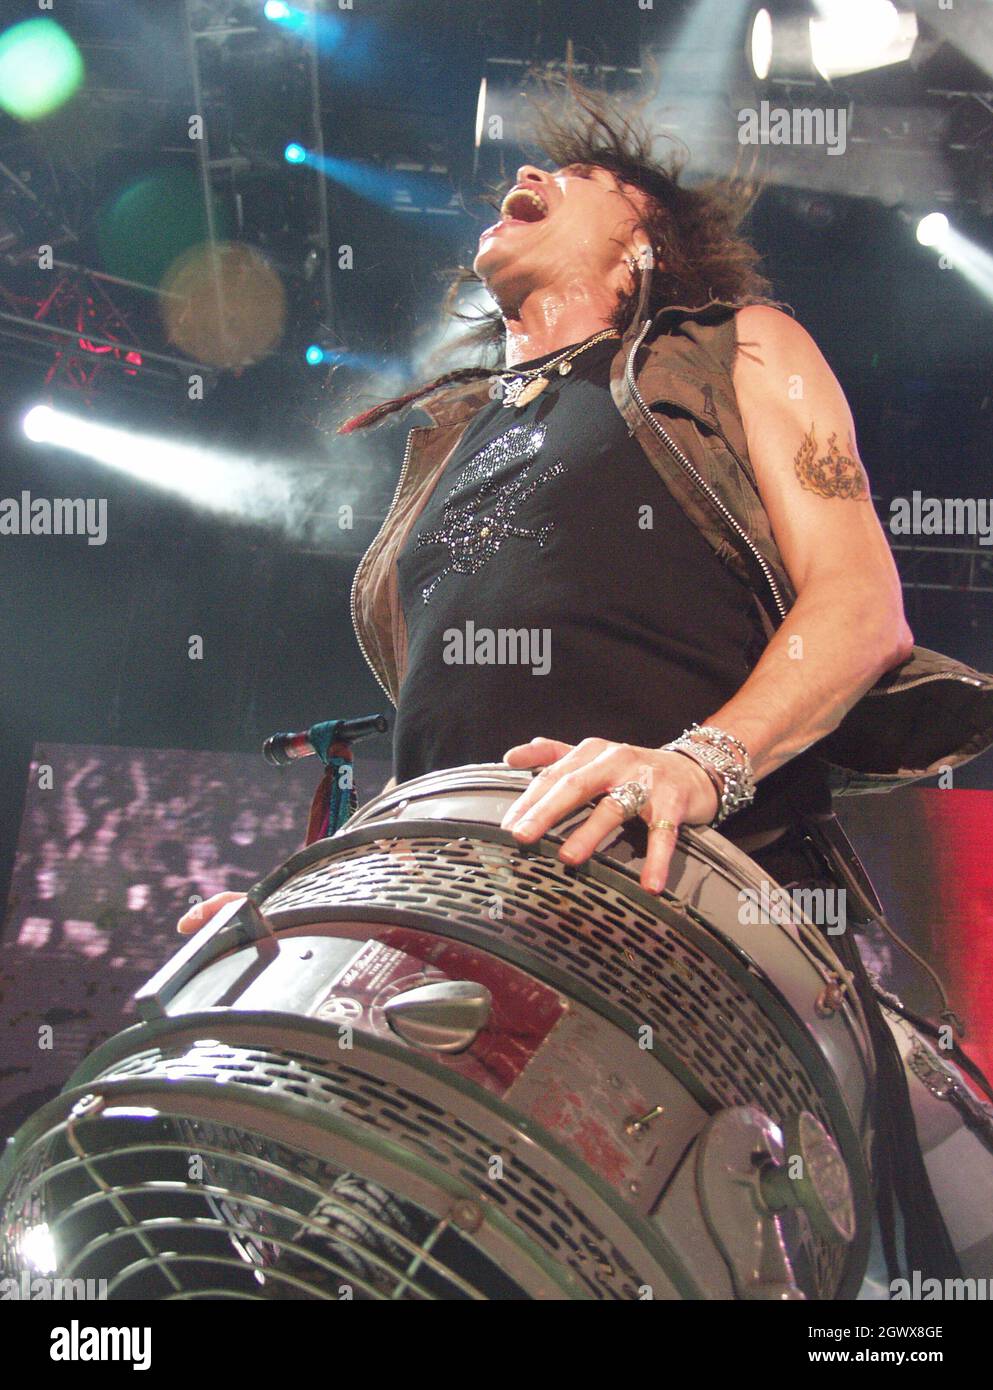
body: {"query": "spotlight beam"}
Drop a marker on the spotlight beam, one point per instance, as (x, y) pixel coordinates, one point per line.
(288, 496)
(972, 262)
(700, 65)
(219, 482)
(367, 181)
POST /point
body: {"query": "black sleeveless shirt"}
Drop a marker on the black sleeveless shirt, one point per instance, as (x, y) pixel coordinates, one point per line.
(553, 586)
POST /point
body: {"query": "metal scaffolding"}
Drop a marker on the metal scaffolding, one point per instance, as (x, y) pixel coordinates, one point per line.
(945, 568)
(87, 320)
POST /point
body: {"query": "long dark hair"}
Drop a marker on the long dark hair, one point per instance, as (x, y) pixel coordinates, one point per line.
(700, 254)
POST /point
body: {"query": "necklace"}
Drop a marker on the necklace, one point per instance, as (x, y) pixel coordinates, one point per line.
(520, 388)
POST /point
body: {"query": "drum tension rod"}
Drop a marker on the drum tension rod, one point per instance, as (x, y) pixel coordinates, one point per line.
(639, 1125)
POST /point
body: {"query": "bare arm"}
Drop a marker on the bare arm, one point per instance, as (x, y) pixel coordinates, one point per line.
(847, 626)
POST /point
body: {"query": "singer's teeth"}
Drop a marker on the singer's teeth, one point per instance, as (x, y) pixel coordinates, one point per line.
(522, 205)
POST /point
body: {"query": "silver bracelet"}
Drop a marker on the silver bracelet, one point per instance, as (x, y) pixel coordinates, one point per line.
(720, 737)
(728, 757)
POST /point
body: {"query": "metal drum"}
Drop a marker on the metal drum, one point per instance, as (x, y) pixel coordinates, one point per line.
(425, 1061)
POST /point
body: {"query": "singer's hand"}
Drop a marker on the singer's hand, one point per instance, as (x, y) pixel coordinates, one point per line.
(200, 915)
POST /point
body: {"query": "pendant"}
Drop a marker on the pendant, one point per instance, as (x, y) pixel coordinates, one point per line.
(533, 388)
(511, 391)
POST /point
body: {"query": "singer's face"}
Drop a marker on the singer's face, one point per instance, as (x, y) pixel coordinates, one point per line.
(559, 231)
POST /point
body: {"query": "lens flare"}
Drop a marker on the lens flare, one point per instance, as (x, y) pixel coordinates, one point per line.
(151, 221)
(40, 69)
(224, 306)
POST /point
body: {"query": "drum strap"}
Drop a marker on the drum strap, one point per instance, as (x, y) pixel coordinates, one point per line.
(827, 836)
(834, 846)
(901, 1178)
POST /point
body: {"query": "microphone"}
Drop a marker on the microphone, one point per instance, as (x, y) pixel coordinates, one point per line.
(280, 749)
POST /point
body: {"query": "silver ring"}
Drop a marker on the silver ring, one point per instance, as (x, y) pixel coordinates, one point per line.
(631, 797)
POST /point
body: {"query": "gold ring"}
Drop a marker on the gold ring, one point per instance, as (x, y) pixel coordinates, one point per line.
(664, 825)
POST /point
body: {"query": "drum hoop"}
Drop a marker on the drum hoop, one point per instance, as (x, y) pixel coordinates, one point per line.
(706, 936)
(707, 844)
(258, 1027)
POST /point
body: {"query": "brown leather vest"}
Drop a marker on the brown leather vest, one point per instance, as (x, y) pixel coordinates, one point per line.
(676, 393)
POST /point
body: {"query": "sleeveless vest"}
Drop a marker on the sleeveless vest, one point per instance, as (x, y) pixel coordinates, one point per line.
(671, 380)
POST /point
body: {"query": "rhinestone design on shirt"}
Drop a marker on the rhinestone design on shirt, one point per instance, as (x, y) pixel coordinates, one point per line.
(474, 529)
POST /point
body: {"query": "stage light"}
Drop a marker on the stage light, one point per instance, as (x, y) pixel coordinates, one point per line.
(211, 479)
(330, 33)
(39, 1249)
(844, 37)
(280, 493)
(38, 424)
(480, 112)
(294, 154)
(779, 49)
(760, 44)
(933, 229)
(389, 369)
(403, 188)
(957, 253)
(40, 69)
(851, 36)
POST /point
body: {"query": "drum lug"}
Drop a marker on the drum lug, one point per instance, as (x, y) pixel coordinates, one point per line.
(831, 997)
(637, 1126)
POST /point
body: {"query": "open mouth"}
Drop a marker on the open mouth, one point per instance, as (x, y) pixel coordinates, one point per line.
(523, 205)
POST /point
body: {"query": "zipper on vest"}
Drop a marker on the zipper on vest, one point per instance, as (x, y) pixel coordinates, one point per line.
(355, 580)
(694, 473)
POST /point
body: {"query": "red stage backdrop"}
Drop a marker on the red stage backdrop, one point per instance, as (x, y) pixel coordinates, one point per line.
(930, 854)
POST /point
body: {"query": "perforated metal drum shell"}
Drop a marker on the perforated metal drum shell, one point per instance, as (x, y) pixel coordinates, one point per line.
(386, 1113)
(730, 1011)
(732, 1007)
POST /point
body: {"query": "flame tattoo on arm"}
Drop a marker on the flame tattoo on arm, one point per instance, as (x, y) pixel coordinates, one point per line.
(835, 474)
